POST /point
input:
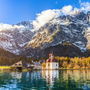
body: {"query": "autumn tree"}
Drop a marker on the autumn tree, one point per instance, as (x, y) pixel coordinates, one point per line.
(65, 64)
(67, 59)
(43, 65)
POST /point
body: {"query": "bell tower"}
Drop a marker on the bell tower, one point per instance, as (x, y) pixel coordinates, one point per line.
(51, 56)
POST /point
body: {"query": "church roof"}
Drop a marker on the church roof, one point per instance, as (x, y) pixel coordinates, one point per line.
(51, 58)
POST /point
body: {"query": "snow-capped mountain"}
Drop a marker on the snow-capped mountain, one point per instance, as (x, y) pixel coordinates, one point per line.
(13, 38)
(21, 40)
(73, 28)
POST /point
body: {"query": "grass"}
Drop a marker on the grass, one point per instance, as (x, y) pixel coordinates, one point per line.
(4, 67)
(24, 70)
(70, 69)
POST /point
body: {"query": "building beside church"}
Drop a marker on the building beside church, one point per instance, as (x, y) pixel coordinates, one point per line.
(20, 65)
(52, 63)
(36, 65)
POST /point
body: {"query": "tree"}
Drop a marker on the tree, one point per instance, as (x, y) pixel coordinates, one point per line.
(77, 60)
(67, 59)
(65, 64)
(43, 65)
(83, 61)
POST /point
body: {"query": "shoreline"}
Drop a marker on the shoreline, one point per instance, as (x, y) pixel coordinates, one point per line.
(9, 68)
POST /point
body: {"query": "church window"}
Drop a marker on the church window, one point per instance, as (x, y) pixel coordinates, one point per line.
(49, 64)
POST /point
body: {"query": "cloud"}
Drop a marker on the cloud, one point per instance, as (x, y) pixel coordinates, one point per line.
(44, 17)
(66, 9)
(85, 6)
(75, 11)
(7, 27)
(47, 15)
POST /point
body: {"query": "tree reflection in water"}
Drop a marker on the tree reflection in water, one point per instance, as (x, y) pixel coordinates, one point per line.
(46, 80)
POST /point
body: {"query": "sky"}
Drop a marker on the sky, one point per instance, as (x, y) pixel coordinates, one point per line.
(38, 11)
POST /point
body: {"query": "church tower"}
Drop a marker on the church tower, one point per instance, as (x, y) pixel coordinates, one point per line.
(52, 63)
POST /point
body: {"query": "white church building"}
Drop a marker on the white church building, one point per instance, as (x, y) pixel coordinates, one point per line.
(52, 63)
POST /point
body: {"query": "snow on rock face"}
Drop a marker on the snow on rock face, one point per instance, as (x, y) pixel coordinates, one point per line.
(14, 38)
(27, 24)
(64, 28)
(80, 45)
(87, 35)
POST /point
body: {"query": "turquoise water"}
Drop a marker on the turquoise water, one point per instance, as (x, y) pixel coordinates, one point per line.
(46, 80)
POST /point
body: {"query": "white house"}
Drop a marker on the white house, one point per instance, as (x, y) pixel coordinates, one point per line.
(36, 65)
(52, 63)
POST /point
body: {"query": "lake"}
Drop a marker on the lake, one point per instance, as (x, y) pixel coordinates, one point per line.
(45, 80)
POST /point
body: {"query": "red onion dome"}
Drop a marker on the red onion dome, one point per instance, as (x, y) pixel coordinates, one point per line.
(48, 60)
(53, 60)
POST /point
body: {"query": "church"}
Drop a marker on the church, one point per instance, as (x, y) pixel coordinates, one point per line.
(52, 63)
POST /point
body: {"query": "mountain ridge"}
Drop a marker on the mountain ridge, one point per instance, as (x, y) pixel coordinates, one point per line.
(20, 38)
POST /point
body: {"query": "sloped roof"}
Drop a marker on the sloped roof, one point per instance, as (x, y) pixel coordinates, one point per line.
(51, 58)
(21, 64)
(35, 63)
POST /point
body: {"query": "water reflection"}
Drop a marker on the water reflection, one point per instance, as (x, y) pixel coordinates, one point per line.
(17, 75)
(46, 80)
(78, 78)
(51, 76)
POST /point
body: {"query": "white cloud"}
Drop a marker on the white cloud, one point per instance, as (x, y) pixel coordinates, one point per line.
(74, 12)
(85, 6)
(66, 9)
(76, 9)
(47, 15)
(7, 27)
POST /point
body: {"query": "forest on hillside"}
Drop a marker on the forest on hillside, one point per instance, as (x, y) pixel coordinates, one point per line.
(10, 61)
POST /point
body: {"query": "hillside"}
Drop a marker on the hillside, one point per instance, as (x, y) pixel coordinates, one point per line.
(4, 53)
(68, 50)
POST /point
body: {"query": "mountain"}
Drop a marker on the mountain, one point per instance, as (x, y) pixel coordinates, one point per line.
(64, 28)
(64, 49)
(4, 53)
(21, 39)
(13, 38)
